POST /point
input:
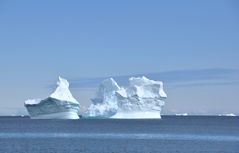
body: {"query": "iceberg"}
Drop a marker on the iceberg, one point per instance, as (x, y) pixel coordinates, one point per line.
(230, 114)
(104, 105)
(59, 105)
(182, 114)
(142, 98)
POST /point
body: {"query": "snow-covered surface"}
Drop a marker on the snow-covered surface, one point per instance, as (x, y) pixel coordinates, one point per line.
(103, 110)
(106, 89)
(143, 87)
(143, 98)
(105, 103)
(62, 93)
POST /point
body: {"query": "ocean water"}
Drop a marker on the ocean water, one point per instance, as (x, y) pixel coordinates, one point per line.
(171, 134)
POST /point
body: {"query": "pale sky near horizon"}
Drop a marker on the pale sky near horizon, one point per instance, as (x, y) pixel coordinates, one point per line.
(40, 40)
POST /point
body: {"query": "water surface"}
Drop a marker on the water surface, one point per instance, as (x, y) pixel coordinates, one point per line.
(171, 134)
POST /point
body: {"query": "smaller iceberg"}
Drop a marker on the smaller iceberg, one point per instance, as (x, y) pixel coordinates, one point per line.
(182, 114)
(230, 114)
(59, 105)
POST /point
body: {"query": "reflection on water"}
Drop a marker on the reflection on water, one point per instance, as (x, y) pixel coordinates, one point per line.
(143, 136)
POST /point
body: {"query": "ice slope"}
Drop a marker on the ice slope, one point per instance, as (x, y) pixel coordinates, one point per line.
(62, 92)
(104, 105)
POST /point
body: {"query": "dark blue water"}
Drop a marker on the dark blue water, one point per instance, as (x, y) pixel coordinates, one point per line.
(170, 135)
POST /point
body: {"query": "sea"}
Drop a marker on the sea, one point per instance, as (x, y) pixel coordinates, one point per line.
(171, 134)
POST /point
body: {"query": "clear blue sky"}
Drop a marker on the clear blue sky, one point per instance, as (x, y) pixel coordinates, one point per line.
(40, 40)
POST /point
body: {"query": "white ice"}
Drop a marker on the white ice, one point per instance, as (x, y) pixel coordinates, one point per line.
(62, 93)
(182, 114)
(105, 103)
(59, 105)
(143, 98)
(230, 114)
(137, 115)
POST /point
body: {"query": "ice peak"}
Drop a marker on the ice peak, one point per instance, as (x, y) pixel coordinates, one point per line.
(62, 91)
(63, 83)
(107, 87)
(105, 103)
(109, 84)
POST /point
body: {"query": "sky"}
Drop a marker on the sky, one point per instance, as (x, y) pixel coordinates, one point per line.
(175, 40)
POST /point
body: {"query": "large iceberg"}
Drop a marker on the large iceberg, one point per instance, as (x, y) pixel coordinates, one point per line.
(143, 98)
(59, 105)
